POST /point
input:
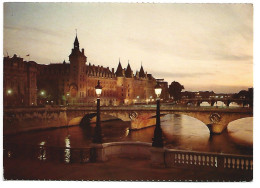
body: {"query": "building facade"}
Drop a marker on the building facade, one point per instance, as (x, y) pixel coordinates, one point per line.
(20, 87)
(73, 82)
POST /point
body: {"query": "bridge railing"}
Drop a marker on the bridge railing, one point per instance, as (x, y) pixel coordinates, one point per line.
(175, 158)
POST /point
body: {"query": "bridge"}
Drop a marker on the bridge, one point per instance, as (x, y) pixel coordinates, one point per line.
(212, 101)
(215, 118)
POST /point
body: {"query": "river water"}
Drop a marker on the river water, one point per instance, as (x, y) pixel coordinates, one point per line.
(179, 131)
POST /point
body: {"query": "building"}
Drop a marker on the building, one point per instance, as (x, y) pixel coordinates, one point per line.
(74, 83)
(19, 82)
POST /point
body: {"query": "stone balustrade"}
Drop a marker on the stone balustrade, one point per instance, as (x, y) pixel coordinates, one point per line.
(174, 158)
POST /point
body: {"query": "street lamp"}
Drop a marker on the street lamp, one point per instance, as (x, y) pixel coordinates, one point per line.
(157, 139)
(9, 91)
(42, 93)
(97, 135)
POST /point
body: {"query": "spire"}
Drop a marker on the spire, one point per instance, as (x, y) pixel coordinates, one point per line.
(119, 70)
(141, 73)
(76, 42)
(128, 72)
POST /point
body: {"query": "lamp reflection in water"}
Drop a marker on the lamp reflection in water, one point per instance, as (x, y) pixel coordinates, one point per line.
(67, 150)
(42, 152)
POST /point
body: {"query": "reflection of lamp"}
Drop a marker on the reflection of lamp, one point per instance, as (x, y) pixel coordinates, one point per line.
(157, 139)
(97, 135)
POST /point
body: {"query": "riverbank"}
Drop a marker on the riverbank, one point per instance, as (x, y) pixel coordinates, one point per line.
(124, 169)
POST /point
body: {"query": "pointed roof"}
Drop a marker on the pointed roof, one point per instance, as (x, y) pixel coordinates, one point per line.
(76, 42)
(141, 73)
(119, 70)
(128, 72)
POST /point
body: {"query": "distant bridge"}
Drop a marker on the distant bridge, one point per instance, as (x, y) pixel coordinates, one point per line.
(212, 101)
(215, 118)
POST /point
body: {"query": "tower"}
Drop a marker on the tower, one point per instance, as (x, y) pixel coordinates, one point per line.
(77, 71)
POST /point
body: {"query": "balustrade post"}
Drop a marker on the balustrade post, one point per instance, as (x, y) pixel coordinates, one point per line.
(220, 162)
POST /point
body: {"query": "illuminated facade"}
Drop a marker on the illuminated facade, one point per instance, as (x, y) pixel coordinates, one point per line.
(73, 83)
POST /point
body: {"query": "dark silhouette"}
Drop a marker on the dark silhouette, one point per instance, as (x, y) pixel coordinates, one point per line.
(175, 90)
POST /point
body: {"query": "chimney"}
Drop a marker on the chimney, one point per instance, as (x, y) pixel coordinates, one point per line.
(83, 51)
(113, 70)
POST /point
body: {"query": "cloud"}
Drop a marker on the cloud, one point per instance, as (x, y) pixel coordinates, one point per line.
(182, 75)
(230, 57)
(33, 30)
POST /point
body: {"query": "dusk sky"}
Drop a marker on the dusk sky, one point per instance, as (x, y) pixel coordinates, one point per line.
(202, 46)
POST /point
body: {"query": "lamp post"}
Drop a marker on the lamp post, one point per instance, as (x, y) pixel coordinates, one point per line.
(67, 99)
(157, 139)
(97, 135)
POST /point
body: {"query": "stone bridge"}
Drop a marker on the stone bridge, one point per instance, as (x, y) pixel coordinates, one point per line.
(216, 119)
(212, 101)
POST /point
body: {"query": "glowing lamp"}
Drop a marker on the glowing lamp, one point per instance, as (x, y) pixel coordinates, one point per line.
(98, 89)
(42, 93)
(9, 91)
(158, 90)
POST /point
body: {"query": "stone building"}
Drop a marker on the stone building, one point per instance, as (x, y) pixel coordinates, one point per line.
(19, 82)
(73, 82)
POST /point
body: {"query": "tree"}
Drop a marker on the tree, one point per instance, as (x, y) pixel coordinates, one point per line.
(175, 90)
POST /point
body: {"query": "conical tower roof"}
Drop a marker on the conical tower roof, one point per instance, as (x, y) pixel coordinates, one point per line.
(128, 72)
(119, 70)
(76, 42)
(141, 73)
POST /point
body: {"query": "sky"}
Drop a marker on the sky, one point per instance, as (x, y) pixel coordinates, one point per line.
(202, 46)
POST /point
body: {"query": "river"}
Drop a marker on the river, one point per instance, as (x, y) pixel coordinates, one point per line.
(179, 131)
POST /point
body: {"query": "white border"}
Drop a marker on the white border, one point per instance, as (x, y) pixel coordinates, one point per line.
(70, 184)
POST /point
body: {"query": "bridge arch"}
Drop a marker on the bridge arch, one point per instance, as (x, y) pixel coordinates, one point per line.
(219, 103)
(234, 104)
(75, 121)
(90, 118)
(205, 103)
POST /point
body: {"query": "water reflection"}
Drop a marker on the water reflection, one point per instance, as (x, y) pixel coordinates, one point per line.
(67, 150)
(42, 152)
(241, 131)
(179, 131)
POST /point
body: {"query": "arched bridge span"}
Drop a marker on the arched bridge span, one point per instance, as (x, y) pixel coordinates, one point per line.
(216, 119)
